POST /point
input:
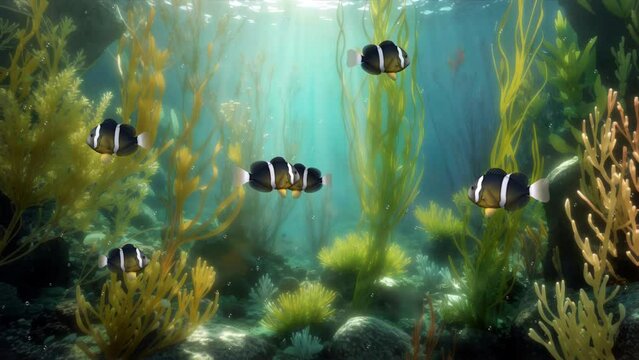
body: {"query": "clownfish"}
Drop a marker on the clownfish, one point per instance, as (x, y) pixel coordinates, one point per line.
(266, 176)
(127, 259)
(119, 139)
(497, 189)
(383, 58)
(311, 180)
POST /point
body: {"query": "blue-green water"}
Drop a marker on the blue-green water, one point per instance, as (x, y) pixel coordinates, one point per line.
(335, 274)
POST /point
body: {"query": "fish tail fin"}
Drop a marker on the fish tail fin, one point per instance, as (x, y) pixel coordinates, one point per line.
(539, 190)
(240, 177)
(144, 140)
(102, 261)
(327, 179)
(354, 58)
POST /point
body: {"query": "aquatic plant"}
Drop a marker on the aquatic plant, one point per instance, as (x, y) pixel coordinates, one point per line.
(348, 254)
(190, 157)
(587, 330)
(440, 223)
(309, 305)
(45, 119)
(304, 346)
(573, 76)
(513, 74)
(145, 314)
(385, 139)
(261, 294)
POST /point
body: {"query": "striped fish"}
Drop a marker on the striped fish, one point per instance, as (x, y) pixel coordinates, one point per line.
(377, 59)
(497, 189)
(112, 138)
(266, 176)
(127, 259)
(311, 180)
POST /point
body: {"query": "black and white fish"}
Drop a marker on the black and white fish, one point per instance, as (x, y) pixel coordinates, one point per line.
(266, 176)
(497, 189)
(127, 259)
(311, 180)
(383, 58)
(120, 139)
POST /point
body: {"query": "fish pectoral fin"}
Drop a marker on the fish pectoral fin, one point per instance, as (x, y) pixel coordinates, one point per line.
(296, 193)
(488, 212)
(130, 275)
(392, 76)
(282, 192)
(106, 158)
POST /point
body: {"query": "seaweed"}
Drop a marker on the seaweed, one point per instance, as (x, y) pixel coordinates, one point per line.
(385, 138)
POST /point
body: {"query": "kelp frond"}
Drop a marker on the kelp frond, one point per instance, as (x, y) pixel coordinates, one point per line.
(145, 314)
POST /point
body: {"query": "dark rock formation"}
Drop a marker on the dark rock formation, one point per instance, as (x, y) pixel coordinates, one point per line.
(369, 338)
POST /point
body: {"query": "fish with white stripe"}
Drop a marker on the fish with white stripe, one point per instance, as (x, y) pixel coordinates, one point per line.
(497, 189)
(120, 139)
(266, 176)
(127, 260)
(377, 59)
(311, 180)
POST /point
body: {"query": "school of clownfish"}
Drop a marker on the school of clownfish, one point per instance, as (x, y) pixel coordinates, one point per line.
(493, 190)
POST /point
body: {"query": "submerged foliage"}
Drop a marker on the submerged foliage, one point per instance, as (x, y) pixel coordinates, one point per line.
(309, 305)
(304, 346)
(386, 138)
(348, 254)
(440, 223)
(44, 121)
(145, 314)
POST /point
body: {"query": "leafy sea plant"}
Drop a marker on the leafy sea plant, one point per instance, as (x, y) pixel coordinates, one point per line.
(260, 295)
(440, 223)
(304, 346)
(145, 314)
(429, 273)
(309, 305)
(385, 135)
(348, 254)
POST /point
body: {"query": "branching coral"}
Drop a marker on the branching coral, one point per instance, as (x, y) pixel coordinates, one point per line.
(348, 254)
(585, 330)
(386, 139)
(310, 305)
(438, 222)
(147, 313)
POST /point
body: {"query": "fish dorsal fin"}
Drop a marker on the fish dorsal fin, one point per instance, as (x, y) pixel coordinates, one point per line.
(496, 171)
(128, 247)
(110, 122)
(520, 178)
(300, 168)
(387, 42)
(278, 159)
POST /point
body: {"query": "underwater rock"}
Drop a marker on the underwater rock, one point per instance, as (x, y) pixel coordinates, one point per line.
(564, 183)
(288, 283)
(93, 238)
(46, 266)
(627, 341)
(220, 342)
(11, 307)
(369, 338)
(97, 25)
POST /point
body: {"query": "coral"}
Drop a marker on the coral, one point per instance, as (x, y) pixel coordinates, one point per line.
(385, 136)
(431, 276)
(348, 254)
(587, 330)
(304, 346)
(440, 223)
(260, 295)
(145, 314)
(44, 117)
(310, 305)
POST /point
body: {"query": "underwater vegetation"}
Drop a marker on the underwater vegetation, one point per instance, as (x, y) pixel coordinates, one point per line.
(386, 139)
(440, 223)
(348, 255)
(146, 314)
(310, 305)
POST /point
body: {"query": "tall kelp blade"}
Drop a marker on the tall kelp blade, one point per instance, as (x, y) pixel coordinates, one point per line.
(385, 137)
